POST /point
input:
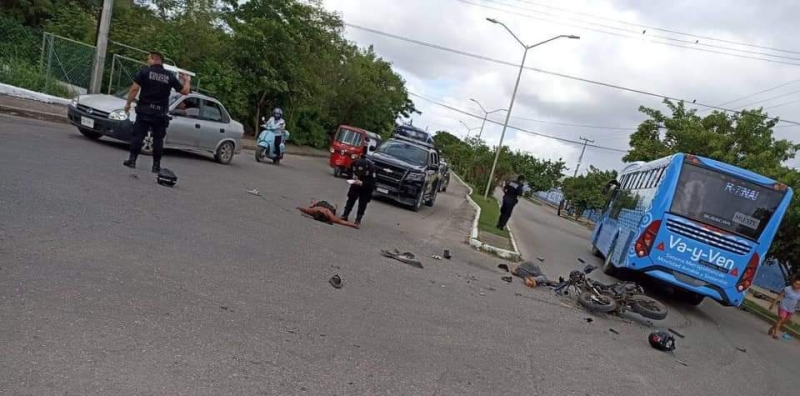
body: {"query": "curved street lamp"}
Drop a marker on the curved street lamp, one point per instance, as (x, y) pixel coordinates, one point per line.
(485, 115)
(468, 129)
(514, 93)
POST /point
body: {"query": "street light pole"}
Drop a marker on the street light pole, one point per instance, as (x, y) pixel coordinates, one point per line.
(468, 130)
(513, 94)
(100, 48)
(485, 115)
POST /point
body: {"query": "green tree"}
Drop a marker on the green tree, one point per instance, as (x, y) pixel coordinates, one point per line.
(744, 139)
(585, 191)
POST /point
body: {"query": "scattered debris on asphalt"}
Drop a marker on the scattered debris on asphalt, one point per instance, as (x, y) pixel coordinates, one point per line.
(682, 362)
(503, 267)
(336, 282)
(613, 331)
(507, 278)
(254, 192)
(541, 259)
(582, 261)
(224, 308)
(405, 257)
(447, 254)
(483, 294)
(588, 269)
(676, 333)
(741, 349)
(134, 176)
(589, 320)
(436, 257)
(787, 336)
(490, 288)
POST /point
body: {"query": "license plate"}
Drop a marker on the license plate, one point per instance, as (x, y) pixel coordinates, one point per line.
(382, 190)
(87, 122)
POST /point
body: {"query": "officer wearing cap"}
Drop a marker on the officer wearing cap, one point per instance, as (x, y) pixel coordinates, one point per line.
(153, 84)
(360, 189)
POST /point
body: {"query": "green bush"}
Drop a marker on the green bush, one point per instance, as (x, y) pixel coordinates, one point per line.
(18, 41)
(16, 72)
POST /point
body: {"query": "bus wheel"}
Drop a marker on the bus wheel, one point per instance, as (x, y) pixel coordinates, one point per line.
(596, 252)
(689, 297)
(608, 267)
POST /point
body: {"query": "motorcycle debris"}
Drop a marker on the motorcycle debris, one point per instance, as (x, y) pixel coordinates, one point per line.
(589, 320)
(614, 331)
(436, 257)
(507, 278)
(134, 176)
(582, 261)
(336, 282)
(676, 333)
(588, 269)
(541, 259)
(682, 362)
(503, 267)
(255, 192)
(446, 254)
(741, 349)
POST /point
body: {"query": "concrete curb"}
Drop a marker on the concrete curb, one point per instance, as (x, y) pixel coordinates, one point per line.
(23, 93)
(473, 237)
(35, 114)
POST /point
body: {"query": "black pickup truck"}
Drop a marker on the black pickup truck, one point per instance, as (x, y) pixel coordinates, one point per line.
(407, 171)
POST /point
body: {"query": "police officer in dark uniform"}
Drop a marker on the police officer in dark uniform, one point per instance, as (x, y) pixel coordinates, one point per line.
(153, 84)
(361, 190)
(512, 191)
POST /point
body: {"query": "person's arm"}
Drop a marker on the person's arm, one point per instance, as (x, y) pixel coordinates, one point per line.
(131, 96)
(185, 87)
(777, 300)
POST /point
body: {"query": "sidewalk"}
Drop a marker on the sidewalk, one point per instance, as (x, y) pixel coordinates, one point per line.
(33, 109)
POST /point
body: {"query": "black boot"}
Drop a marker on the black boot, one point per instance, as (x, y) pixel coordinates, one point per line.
(130, 163)
(156, 166)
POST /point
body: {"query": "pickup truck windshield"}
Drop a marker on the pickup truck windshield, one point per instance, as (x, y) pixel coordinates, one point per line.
(404, 151)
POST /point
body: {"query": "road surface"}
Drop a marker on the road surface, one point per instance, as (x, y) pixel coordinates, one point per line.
(111, 284)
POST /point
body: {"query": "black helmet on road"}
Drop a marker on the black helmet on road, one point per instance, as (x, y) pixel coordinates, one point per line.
(661, 340)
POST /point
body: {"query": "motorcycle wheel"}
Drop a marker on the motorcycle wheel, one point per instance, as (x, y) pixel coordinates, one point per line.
(597, 303)
(648, 307)
(260, 154)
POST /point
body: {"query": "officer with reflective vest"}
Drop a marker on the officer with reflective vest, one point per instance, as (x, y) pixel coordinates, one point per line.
(153, 84)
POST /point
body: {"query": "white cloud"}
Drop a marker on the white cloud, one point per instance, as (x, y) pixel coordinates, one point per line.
(634, 62)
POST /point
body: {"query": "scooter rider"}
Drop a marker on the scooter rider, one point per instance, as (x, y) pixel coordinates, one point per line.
(155, 85)
(277, 124)
(361, 190)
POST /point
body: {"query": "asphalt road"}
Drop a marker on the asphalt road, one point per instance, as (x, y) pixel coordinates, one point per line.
(111, 284)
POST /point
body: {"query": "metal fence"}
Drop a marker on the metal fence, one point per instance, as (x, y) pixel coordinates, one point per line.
(66, 62)
(122, 72)
(554, 197)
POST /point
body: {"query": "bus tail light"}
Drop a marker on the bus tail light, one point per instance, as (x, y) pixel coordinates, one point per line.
(749, 273)
(692, 159)
(645, 241)
(779, 187)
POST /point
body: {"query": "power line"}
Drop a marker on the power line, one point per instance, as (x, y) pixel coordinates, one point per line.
(783, 104)
(768, 99)
(758, 93)
(574, 125)
(466, 113)
(639, 36)
(658, 28)
(543, 71)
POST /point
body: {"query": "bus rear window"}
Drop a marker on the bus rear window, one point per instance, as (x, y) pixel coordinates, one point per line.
(724, 201)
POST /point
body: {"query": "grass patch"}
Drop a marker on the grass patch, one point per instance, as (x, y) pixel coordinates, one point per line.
(490, 212)
(14, 71)
(764, 314)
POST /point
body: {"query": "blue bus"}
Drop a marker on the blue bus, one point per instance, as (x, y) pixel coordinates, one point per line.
(700, 225)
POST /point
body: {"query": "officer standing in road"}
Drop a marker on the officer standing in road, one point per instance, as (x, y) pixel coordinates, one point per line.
(153, 84)
(512, 191)
(361, 188)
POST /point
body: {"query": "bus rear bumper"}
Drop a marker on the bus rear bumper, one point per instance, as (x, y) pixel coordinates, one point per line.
(693, 284)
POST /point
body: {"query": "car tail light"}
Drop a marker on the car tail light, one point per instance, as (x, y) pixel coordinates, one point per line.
(333, 150)
(749, 273)
(645, 241)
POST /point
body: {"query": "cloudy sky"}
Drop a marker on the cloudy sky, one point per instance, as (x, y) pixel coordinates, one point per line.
(627, 57)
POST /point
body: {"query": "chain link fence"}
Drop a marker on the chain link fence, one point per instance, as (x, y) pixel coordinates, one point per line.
(122, 72)
(67, 63)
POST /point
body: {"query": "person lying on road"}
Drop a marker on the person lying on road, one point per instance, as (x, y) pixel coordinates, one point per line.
(325, 212)
(532, 275)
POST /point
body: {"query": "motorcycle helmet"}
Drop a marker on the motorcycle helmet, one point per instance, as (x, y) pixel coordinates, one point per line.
(277, 113)
(662, 341)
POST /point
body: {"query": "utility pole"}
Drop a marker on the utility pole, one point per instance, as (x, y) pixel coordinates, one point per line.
(100, 47)
(585, 142)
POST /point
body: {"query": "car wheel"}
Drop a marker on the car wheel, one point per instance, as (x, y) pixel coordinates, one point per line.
(147, 144)
(224, 153)
(418, 203)
(90, 133)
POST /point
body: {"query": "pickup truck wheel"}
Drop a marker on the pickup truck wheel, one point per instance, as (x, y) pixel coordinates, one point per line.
(432, 199)
(224, 153)
(418, 203)
(90, 133)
